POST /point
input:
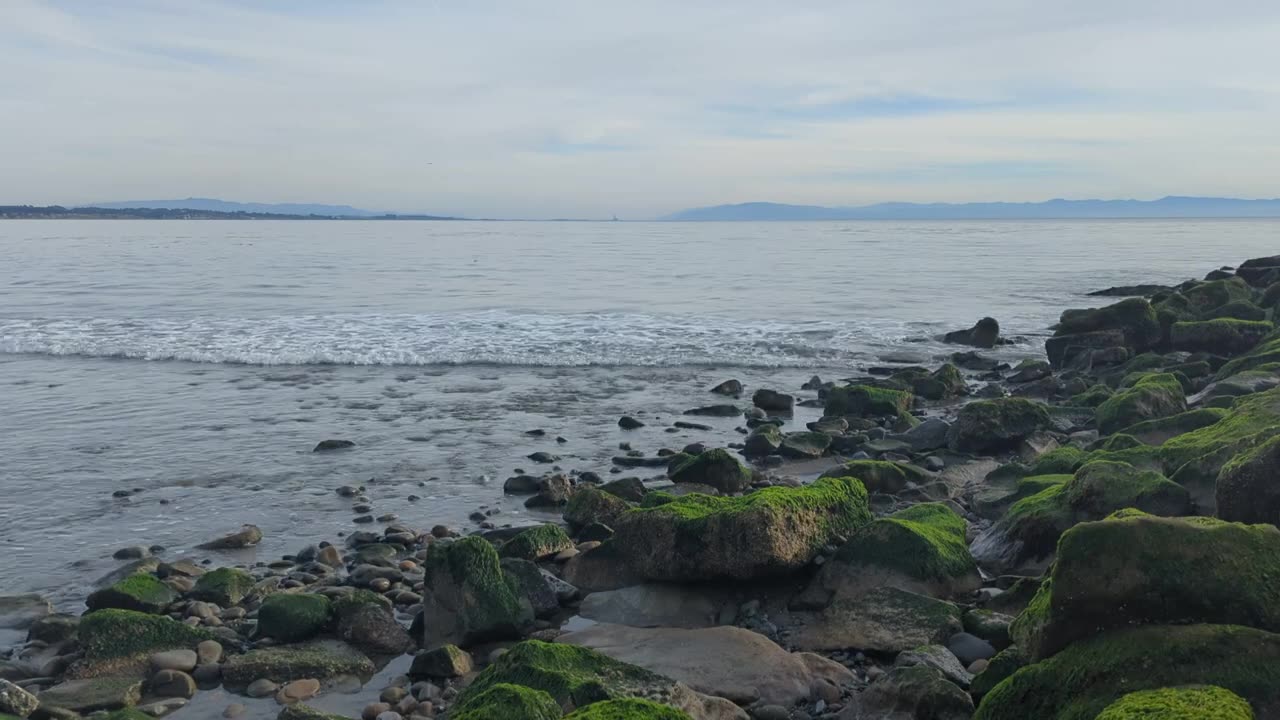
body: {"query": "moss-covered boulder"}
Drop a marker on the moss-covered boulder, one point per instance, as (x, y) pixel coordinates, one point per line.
(1005, 663)
(468, 598)
(1028, 533)
(1184, 703)
(716, 468)
(866, 401)
(1239, 310)
(917, 691)
(941, 384)
(576, 677)
(224, 586)
(984, 334)
(804, 445)
(1266, 352)
(1205, 297)
(113, 640)
(365, 620)
(763, 441)
(993, 500)
(921, 549)
(318, 659)
(1144, 569)
(291, 617)
(1133, 317)
(505, 700)
(1248, 488)
(1154, 396)
(1084, 679)
(142, 592)
(1093, 397)
(628, 709)
(1223, 336)
(881, 475)
(87, 695)
(996, 425)
(1063, 460)
(590, 505)
(537, 543)
(988, 625)
(769, 531)
(1158, 431)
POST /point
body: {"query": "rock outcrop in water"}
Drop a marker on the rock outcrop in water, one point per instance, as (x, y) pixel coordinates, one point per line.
(1093, 536)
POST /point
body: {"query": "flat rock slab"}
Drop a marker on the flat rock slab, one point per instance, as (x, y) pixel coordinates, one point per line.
(86, 696)
(320, 659)
(727, 662)
(653, 605)
(885, 620)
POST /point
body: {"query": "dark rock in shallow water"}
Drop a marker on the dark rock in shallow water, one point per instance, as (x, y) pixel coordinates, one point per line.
(984, 334)
(1131, 291)
(973, 361)
(326, 445)
(521, 485)
(247, 536)
(773, 401)
(683, 425)
(635, 462)
(732, 388)
(543, 457)
(626, 422)
(716, 468)
(715, 411)
(553, 490)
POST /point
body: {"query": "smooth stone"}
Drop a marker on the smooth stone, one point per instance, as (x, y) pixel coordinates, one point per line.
(208, 651)
(234, 710)
(261, 688)
(184, 660)
(298, 690)
(653, 605)
(970, 648)
(247, 536)
(172, 683)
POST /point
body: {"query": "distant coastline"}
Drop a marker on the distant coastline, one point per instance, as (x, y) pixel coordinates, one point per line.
(58, 212)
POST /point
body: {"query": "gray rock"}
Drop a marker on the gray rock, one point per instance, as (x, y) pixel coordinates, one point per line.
(969, 648)
(261, 688)
(247, 536)
(626, 422)
(928, 435)
(911, 693)
(209, 651)
(885, 619)
(732, 388)
(184, 660)
(939, 658)
(653, 605)
(773, 401)
(327, 445)
(172, 684)
(90, 694)
(16, 701)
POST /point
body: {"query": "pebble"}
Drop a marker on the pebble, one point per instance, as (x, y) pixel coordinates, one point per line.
(978, 666)
(298, 690)
(184, 660)
(234, 710)
(393, 695)
(260, 688)
(389, 715)
(380, 585)
(371, 712)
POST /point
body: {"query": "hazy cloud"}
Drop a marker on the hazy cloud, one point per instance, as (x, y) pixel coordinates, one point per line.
(587, 108)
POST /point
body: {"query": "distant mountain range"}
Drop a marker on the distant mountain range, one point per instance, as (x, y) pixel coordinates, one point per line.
(224, 206)
(1167, 207)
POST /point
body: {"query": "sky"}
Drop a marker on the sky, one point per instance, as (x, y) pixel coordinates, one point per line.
(590, 108)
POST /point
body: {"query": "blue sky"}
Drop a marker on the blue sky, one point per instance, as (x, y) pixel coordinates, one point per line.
(590, 108)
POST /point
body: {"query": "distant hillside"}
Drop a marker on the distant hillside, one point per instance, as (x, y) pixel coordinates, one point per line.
(57, 212)
(1168, 207)
(224, 206)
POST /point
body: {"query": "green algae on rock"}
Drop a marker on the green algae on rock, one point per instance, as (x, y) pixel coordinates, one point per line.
(537, 542)
(1005, 663)
(316, 659)
(1248, 487)
(715, 467)
(1082, 680)
(592, 505)
(116, 639)
(996, 425)
(507, 701)
(224, 586)
(1154, 396)
(291, 617)
(142, 592)
(1182, 703)
(881, 475)
(766, 532)
(298, 711)
(468, 598)
(1223, 336)
(628, 709)
(866, 401)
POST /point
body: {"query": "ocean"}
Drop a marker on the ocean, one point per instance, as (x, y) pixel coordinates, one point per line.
(197, 363)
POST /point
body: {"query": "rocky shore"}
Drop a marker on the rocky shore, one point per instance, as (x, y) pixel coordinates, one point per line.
(1088, 534)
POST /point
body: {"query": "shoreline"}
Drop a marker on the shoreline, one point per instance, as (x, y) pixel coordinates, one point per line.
(947, 494)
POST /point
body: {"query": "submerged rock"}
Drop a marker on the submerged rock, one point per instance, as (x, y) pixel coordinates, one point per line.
(732, 388)
(327, 445)
(773, 401)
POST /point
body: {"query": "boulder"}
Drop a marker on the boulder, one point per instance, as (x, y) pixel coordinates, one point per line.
(881, 476)
(1248, 487)
(576, 677)
(290, 617)
(996, 425)
(1154, 396)
(767, 532)
(626, 422)
(505, 700)
(804, 445)
(141, 592)
(19, 612)
(16, 702)
(773, 401)
(364, 620)
(1260, 272)
(866, 401)
(939, 658)
(631, 489)
(1088, 676)
(884, 619)
(537, 542)
(928, 435)
(722, 410)
(553, 491)
(984, 334)
(91, 694)
(763, 441)
(532, 588)
(1005, 663)
(729, 662)
(1143, 569)
(1081, 349)
(319, 659)
(590, 505)
(444, 662)
(1182, 703)
(1133, 317)
(732, 388)
(1028, 533)
(911, 693)
(716, 468)
(468, 598)
(224, 587)
(113, 640)
(921, 548)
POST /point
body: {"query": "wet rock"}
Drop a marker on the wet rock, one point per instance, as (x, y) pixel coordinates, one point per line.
(553, 490)
(984, 334)
(19, 612)
(224, 587)
(172, 683)
(626, 422)
(327, 445)
(969, 648)
(247, 536)
(543, 457)
(995, 425)
(365, 621)
(140, 592)
(884, 620)
(446, 661)
(939, 658)
(773, 401)
(90, 694)
(298, 690)
(716, 468)
(716, 411)
(590, 505)
(653, 605)
(261, 688)
(732, 388)
(469, 599)
(284, 663)
(15, 701)
(631, 489)
(804, 445)
(915, 693)
(184, 660)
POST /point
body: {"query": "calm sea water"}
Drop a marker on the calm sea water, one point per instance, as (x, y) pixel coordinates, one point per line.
(200, 361)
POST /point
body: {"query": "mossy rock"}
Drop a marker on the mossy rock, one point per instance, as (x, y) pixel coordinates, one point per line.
(804, 445)
(881, 475)
(767, 532)
(1093, 397)
(917, 691)
(1141, 569)
(1156, 432)
(366, 620)
(118, 639)
(1154, 396)
(884, 620)
(996, 425)
(141, 592)
(1265, 353)
(1248, 488)
(1005, 663)
(90, 694)
(468, 597)
(124, 714)
(1063, 460)
(866, 401)
(941, 384)
(1184, 703)
(292, 617)
(994, 501)
(921, 549)
(299, 711)
(505, 700)
(1223, 336)
(628, 709)
(1134, 317)
(1029, 531)
(537, 543)
(572, 676)
(446, 661)
(224, 586)
(1206, 297)
(716, 468)
(763, 441)
(318, 659)
(1239, 310)
(1082, 680)
(590, 505)
(989, 625)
